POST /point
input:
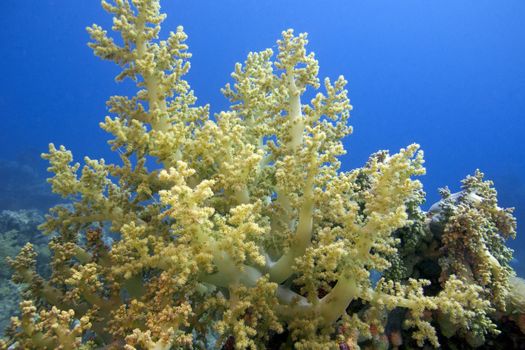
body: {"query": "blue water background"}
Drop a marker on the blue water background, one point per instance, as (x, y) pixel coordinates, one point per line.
(448, 74)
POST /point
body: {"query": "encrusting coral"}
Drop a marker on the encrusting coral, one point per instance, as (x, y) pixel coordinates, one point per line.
(249, 236)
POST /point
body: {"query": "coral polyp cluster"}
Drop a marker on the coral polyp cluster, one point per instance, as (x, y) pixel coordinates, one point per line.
(247, 234)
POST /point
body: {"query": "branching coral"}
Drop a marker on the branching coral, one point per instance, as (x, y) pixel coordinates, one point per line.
(249, 230)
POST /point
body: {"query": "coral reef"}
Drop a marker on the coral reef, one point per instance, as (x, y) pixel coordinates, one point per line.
(16, 229)
(248, 235)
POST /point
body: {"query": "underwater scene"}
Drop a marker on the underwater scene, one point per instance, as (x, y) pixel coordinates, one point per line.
(277, 174)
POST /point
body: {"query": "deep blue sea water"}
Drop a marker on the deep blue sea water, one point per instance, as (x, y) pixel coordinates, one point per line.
(447, 74)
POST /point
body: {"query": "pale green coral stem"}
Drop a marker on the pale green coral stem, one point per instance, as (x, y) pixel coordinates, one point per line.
(295, 113)
(229, 273)
(155, 103)
(334, 304)
(282, 268)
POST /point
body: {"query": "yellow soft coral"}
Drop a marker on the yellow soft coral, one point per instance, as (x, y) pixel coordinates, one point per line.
(247, 231)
